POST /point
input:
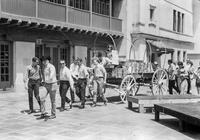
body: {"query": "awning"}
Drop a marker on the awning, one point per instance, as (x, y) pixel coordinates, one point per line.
(159, 47)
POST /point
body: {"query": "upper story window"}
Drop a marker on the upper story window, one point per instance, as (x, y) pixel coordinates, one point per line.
(101, 6)
(81, 4)
(57, 1)
(152, 12)
(178, 21)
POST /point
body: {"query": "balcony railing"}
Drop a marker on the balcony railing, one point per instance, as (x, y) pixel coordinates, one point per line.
(61, 13)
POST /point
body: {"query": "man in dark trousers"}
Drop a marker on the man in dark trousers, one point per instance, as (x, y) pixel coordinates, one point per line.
(33, 76)
(172, 72)
(66, 81)
(83, 76)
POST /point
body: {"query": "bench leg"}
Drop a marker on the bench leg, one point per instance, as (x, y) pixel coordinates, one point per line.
(157, 115)
(182, 125)
(130, 105)
(141, 108)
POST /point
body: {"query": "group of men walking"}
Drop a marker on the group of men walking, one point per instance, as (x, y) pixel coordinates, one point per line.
(75, 78)
(180, 76)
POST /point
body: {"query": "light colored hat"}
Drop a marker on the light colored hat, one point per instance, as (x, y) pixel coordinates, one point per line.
(156, 63)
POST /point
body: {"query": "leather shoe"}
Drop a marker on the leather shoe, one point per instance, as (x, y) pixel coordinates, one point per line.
(82, 106)
(52, 117)
(62, 109)
(31, 111)
(42, 116)
(93, 105)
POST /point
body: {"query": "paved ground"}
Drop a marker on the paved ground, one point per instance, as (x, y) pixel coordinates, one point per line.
(111, 122)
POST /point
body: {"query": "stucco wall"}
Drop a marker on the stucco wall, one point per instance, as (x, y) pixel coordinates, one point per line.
(23, 53)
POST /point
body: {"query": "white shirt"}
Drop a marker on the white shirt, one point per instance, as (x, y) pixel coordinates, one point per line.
(106, 61)
(74, 69)
(50, 74)
(65, 75)
(99, 71)
(82, 72)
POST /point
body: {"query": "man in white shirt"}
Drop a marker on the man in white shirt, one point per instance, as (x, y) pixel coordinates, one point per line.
(100, 77)
(104, 60)
(83, 76)
(74, 72)
(66, 81)
(172, 75)
(33, 76)
(50, 83)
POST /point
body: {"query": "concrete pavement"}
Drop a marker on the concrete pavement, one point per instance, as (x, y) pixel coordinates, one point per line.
(111, 122)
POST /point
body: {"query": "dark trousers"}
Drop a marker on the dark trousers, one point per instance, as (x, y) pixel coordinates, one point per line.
(189, 85)
(172, 85)
(80, 89)
(76, 91)
(64, 86)
(33, 86)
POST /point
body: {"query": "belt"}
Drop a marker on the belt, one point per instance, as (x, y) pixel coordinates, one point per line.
(99, 77)
(34, 79)
(82, 79)
(63, 81)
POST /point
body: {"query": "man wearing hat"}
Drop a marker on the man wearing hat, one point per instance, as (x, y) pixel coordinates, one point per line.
(190, 69)
(33, 76)
(50, 83)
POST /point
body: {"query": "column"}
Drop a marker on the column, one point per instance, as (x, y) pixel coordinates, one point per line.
(90, 12)
(67, 10)
(36, 8)
(21, 60)
(110, 14)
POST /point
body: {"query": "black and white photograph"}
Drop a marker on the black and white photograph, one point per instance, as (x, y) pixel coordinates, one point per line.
(99, 69)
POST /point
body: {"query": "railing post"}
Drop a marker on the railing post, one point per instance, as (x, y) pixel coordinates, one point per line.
(67, 10)
(110, 15)
(36, 8)
(90, 13)
(0, 8)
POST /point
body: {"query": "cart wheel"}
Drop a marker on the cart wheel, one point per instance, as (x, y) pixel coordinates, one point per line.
(128, 86)
(160, 82)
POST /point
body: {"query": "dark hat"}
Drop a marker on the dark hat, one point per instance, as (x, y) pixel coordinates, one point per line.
(35, 59)
(180, 63)
(43, 58)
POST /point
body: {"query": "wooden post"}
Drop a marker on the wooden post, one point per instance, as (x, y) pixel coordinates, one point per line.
(157, 115)
(130, 105)
(90, 13)
(36, 8)
(67, 10)
(182, 125)
(141, 108)
(110, 15)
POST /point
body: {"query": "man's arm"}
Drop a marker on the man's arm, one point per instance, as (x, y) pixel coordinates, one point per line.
(69, 77)
(104, 72)
(52, 72)
(25, 79)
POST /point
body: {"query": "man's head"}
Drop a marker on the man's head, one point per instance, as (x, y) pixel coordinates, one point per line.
(95, 61)
(45, 60)
(79, 61)
(180, 64)
(35, 61)
(62, 63)
(189, 62)
(169, 61)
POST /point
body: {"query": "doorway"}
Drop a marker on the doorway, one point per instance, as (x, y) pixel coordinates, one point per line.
(5, 64)
(57, 52)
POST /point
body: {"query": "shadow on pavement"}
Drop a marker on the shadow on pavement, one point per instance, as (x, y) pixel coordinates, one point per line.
(192, 131)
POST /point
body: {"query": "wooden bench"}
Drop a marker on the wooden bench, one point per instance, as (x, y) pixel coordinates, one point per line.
(186, 113)
(149, 101)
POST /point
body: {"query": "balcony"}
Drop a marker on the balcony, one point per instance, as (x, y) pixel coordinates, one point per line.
(58, 13)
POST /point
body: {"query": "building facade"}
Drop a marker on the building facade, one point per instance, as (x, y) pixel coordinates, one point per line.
(159, 30)
(194, 54)
(62, 29)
